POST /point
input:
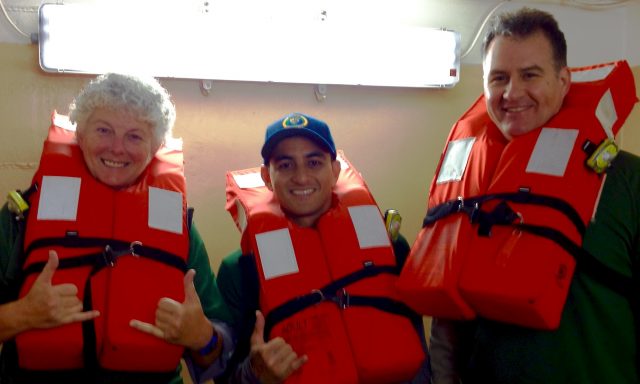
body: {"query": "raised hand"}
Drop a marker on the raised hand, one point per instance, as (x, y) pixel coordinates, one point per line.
(47, 305)
(180, 323)
(273, 361)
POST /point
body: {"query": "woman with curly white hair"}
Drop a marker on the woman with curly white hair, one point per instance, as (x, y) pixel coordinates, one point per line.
(98, 259)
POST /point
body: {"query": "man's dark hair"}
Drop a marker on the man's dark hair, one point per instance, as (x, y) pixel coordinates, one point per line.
(524, 23)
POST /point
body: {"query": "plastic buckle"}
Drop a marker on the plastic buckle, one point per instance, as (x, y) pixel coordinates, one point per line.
(342, 298)
(318, 292)
(132, 247)
(108, 256)
(460, 202)
(603, 156)
(472, 211)
(17, 204)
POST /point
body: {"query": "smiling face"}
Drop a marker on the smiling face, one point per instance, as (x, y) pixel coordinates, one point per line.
(522, 86)
(302, 175)
(116, 146)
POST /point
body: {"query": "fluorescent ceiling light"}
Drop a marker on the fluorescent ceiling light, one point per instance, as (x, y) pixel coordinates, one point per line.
(98, 38)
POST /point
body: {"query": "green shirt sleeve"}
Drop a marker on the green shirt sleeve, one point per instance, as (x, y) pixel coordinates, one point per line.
(8, 255)
(6, 241)
(212, 302)
(238, 282)
(401, 249)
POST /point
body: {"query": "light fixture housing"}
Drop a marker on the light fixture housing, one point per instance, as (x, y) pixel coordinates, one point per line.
(98, 38)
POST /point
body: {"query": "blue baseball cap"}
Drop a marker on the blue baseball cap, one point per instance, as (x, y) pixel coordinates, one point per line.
(297, 124)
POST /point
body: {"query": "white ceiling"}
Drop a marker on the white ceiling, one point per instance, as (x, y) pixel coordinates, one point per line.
(610, 23)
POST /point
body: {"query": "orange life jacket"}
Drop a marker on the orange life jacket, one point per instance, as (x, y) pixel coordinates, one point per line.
(506, 218)
(123, 249)
(329, 290)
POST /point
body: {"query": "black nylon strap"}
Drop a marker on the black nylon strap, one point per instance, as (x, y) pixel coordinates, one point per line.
(503, 215)
(72, 262)
(443, 210)
(586, 262)
(72, 241)
(290, 308)
(547, 201)
(382, 303)
(365, 272)
(335, 291)
(89, 338)
(472, 205)
(112, 249)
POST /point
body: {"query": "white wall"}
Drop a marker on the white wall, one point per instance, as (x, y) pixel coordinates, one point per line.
(595, 33)
(632, 48)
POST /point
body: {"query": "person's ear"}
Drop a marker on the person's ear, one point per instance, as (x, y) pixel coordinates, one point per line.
(266, 177)
(565, 80)
(79, 137)
(335, 168)
(157, 144)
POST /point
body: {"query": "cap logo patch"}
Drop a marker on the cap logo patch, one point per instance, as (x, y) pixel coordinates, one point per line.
(295, 121)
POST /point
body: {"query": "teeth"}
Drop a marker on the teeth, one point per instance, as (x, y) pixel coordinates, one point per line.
(114, 164)
(516, 109)
(302, 192)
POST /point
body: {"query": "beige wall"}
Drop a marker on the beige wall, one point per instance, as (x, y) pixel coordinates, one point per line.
(630, 134)
(394, 136)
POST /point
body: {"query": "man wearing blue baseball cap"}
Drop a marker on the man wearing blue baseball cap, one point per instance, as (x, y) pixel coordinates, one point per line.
(292, 144)
(297, 124)
(298, 234)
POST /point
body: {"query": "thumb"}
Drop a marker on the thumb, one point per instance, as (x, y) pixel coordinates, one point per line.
(49, 268)
(190, 293)
(257, 337)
